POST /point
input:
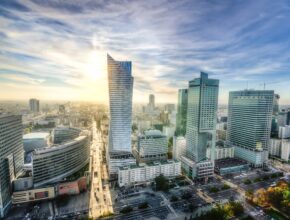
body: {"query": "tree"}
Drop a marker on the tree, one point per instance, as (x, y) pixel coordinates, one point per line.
(174, 198)
(275, 196)
(249, 194)
(143, 205)
(225, 186)
(236, 208)
(261, 197)
(247, 181)
(218, 213)
(126, 209)
(186, 196)
(162, 183)
(213, 189)
(265, 177)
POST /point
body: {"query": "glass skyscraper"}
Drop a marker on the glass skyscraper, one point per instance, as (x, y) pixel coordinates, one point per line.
(120, 96)
(249, 124)
(201, 116)
(181, 112)
(11, 157)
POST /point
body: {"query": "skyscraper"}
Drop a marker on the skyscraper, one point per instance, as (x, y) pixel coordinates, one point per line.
(11, 157)
(120, 96)
(200, 126)
(276, 104)
(34, 105)
(181, 112)
(249, 124)
(201, 115)
(151, 101)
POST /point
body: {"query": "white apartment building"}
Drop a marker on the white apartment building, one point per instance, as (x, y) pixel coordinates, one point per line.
(179, 147)
(222, 152)
(284, 131)
(280, 148)
(143, 173)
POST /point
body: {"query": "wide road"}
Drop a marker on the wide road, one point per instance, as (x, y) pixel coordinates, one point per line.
(100, 197)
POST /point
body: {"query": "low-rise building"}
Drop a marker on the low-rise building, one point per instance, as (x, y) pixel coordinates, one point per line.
(152, 146)
(179, 147)
(36, 140)
(33, 195)
(201, 170)
(54, 163)
(143, 173)
(256, 157)
(230, 165)
(62, 134)
(284, 132)
(280, 148)
(222, 151)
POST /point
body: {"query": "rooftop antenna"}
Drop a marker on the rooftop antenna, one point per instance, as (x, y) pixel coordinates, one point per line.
(264, 85)
(247, 85)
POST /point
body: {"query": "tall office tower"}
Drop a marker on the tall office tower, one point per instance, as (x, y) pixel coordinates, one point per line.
(151, 101)
(249, 124)
(276, 104)
(11, 157)
(288, 116)
(181, 112)
(201, 115)
(120, 96)
(34, 105)
(201, 125)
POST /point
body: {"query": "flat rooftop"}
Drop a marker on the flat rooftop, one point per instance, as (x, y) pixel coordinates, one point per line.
(58, 146)
(229, 162)
(150, 164)
(36, 135)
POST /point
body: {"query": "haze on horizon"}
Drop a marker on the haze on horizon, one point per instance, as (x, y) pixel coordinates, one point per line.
(56, 50)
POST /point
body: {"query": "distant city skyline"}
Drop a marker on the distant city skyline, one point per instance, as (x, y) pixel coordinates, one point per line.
(56, 50)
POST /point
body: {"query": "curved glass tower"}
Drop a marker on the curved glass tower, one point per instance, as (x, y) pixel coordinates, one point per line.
(120, 96)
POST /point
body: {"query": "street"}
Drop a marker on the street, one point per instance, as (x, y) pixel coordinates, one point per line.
(100, 197)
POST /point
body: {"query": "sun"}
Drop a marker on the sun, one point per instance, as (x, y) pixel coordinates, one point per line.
(96, 66)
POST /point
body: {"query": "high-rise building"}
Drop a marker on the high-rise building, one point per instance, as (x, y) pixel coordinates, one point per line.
(276, 104)
(181, 112)
(120, 97)
(11, 157)
(152, 146)
(179, 147)
(201, 116)
(249, 124)
(34, 105)
(201, 126)
(151, 101)
(169, 108)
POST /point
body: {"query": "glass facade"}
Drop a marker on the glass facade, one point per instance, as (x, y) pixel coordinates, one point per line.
(52, 164)
(120, 95)
(11, 156)
(181, 112)
(201, 115)
(249, 122)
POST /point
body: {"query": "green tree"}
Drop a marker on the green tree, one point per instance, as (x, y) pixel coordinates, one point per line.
(126, 209)
(247, 181)
(143, 205)
(275, 197)
(162, 183)
(237, 208)
(225, 186)
(213, 189)
(174, 198)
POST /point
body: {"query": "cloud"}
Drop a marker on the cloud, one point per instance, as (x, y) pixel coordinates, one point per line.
(49, 43)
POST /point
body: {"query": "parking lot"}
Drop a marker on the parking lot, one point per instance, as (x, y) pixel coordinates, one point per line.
(255, 180)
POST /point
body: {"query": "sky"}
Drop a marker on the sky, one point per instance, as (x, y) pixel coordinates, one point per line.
(56, 49)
